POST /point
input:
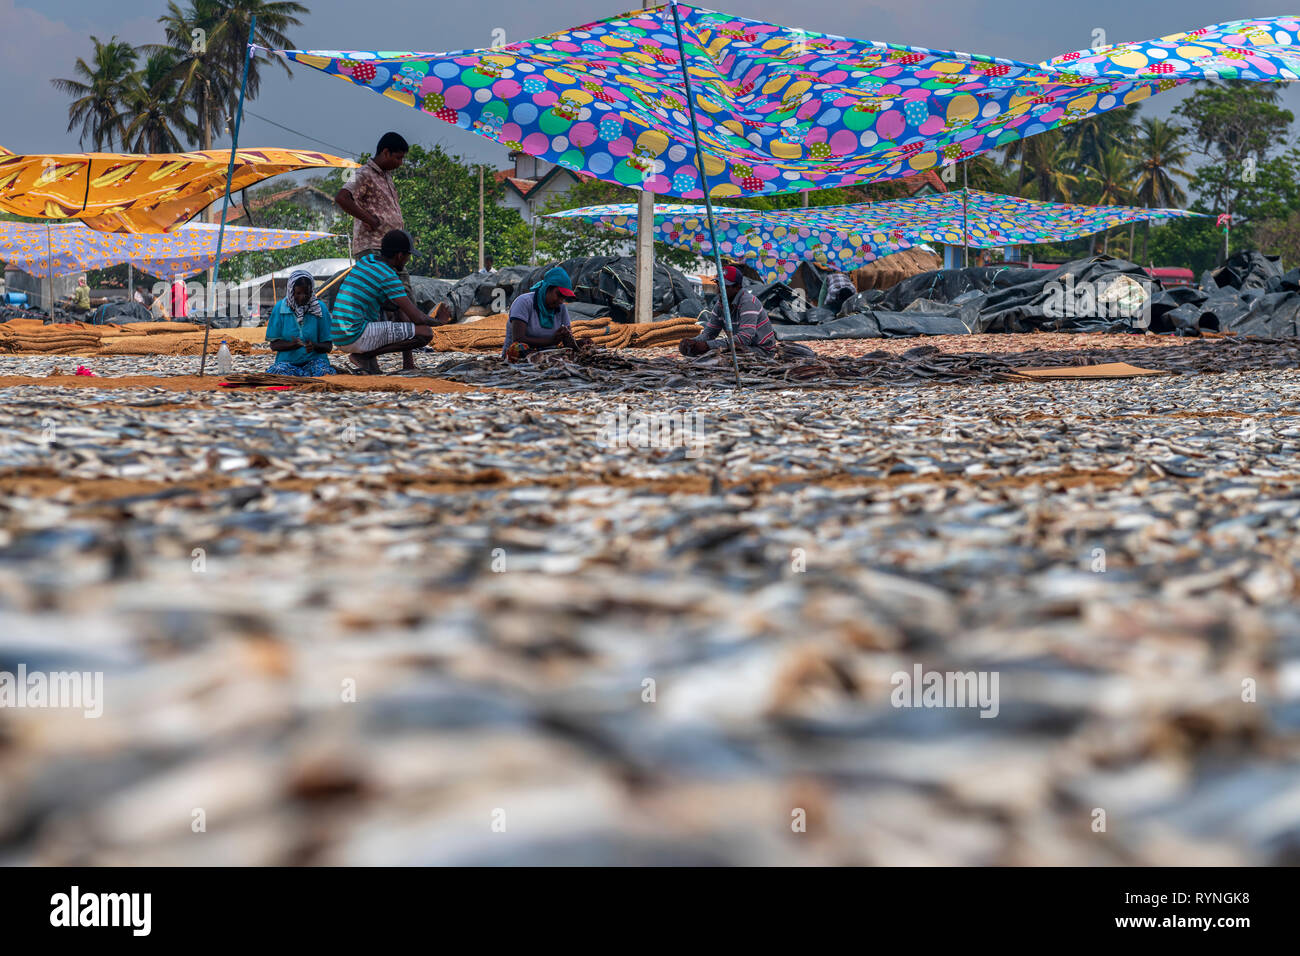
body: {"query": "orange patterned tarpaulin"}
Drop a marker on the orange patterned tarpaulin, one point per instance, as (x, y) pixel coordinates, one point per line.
(121, 192)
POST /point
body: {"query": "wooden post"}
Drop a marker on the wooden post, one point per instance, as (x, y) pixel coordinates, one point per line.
(49, 269)
(645, 248)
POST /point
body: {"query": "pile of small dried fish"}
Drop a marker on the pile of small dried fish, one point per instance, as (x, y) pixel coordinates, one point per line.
(618, 372)
(530, 627)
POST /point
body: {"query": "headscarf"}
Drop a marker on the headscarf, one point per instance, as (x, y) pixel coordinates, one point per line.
(300, 312)
(554, 277)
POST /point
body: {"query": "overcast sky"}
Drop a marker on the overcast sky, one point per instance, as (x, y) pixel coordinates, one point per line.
(41, 40)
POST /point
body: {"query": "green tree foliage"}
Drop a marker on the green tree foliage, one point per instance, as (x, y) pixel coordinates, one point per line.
(1159, 161)
(1092, 138)
(208, 39)
(1281, 237)
(560, 239)
(98, 92)
(1048, 167)
(193, 35)
(154, 118)
(439, 196)
(1194, 244)
(1270, 192)
(287, 214)
(1236, 127)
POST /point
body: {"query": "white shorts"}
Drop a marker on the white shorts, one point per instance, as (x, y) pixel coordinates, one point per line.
(376, 335)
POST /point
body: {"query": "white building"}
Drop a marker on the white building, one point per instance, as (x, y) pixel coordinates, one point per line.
(532, 183)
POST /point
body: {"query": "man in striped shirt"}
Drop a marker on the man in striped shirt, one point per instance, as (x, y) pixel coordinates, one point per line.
(749, 321)
(357, 325)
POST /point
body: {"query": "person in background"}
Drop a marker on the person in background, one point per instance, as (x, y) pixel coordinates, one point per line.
(487, 266)
(81, 297)
(299, 330)
(749, 321)
(358, 327)
(180, 301)
(837, 289)
(157, 305)
(370, 197)
(539, 319)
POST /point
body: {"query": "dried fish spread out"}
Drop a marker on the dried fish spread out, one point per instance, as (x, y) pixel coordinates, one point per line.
(651, 617)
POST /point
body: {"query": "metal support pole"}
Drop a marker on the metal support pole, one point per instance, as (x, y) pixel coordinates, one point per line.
(704, 185)
(965, 227)
(225, 206)
(481, 262)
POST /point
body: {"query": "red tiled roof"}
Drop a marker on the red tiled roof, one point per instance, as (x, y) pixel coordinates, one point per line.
(928, 177)
(525, 186)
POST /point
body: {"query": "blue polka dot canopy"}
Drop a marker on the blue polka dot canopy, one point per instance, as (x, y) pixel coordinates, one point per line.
(775, 241)
(782, 109)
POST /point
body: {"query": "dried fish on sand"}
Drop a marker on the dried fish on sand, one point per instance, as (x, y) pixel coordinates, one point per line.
(650, 617)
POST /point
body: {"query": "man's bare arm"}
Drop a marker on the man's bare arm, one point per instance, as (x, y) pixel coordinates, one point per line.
(349, 205)
(412, 314)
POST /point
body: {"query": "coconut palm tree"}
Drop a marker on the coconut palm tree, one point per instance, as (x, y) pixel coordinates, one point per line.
(155, 118)
(193, 38)
(1095, 135)
(211, 37)
(1159, 158)
(1047, 165)
(274, 17)
(982, 171)
(1110, 179)
(98, 92)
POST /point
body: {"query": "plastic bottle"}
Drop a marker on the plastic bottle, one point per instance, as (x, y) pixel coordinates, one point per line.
(225, 361)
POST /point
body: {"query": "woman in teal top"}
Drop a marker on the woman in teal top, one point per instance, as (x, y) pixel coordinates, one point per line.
(299, 330)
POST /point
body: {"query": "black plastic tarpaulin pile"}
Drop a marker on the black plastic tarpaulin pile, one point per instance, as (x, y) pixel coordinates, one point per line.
(605, 287)
(1250, 295)
(10, 312)
(120, 312)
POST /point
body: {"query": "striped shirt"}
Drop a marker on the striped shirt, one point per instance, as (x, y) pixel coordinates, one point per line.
(750, 322)
(837, 283)
(370, 283)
